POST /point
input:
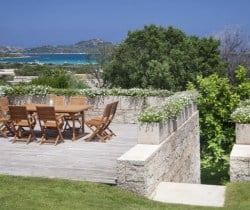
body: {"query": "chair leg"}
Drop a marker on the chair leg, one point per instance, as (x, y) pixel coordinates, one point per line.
(57, 138)
(29, 138)
(60, 135)
(14, 139)
(67, 125)
(92, 136)
(42, 139)
(16, 136)
(111, 132)
(19, 132)
(3, 131)
(97, 132)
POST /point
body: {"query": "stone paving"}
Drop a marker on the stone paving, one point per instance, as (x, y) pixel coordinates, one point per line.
(190, 194)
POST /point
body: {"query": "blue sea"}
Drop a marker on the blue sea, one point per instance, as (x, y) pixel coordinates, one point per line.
(51, 59)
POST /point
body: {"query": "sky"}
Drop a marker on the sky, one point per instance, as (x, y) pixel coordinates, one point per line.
(31, 23)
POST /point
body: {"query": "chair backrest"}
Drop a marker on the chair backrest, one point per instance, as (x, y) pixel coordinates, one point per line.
(46, 113)
(4, 104)
(59, 100)
(113, 107)
(113, 110)
(18, 113)
(106, 112)
(78, 100)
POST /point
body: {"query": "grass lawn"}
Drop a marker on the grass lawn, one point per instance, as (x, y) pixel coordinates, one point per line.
(39, 193)
(212, 176)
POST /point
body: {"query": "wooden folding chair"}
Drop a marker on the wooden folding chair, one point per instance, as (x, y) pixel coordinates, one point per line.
(109, 133)
(75, 100)
(3, 125)
(78, 100)
(4, 105)
(98, 125)
(5, 122)
(21, 119)
(48, 120)
(111, 117)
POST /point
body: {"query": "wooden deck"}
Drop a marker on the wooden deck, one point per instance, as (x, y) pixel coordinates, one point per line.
(78, 160)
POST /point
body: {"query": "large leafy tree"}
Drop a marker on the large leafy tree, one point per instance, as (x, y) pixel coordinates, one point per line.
(164, 58)
(218, 99)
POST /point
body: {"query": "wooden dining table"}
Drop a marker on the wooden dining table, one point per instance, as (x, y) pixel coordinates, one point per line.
(71, 110)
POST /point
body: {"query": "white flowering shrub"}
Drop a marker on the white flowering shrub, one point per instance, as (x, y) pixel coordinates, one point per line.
(170, 108)
(43, 90)
(152, 114)
(25, 89)
(242, 113)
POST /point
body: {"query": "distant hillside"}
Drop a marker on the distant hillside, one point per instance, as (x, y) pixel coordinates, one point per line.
(7, 49)
(90, 46)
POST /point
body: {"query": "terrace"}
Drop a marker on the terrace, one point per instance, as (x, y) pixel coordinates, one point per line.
(77, 160)
(163, 146)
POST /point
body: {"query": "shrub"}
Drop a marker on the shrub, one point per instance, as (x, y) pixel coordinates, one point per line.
(242, 113)
(170, 108)
(43, 90)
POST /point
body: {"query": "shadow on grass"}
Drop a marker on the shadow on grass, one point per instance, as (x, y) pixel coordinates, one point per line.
(212, 176)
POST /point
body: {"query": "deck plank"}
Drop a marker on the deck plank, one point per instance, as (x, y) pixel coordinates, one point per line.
(78, 160)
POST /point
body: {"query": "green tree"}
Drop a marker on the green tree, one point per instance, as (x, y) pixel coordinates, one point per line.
(218, 100)
(163, 58)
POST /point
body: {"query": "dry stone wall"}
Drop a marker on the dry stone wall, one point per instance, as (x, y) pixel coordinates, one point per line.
(127, 111)
(175, 159)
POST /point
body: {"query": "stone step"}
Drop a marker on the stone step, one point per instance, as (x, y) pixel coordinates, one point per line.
(190, 194)
(239, 163)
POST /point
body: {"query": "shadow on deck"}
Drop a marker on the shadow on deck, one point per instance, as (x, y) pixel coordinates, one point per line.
(78, 160)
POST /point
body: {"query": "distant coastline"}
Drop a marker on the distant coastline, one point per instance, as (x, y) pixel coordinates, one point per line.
(51, 58)
(83, 52)
(11, 55)
(7, 57)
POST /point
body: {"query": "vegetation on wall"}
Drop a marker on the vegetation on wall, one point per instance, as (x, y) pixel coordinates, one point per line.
(44, 90)
(170, 109)
(242, 113)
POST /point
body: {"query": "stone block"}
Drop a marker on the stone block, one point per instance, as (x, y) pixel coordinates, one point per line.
(130, 116)
(155, 101)
(135, 174)
(131, 103)
(240, 163)
(153, 133)
(139, 154)
(242, 133)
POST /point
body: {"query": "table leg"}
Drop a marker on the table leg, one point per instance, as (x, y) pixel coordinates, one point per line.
(73, 127)
(80, 134)
(83, 130)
